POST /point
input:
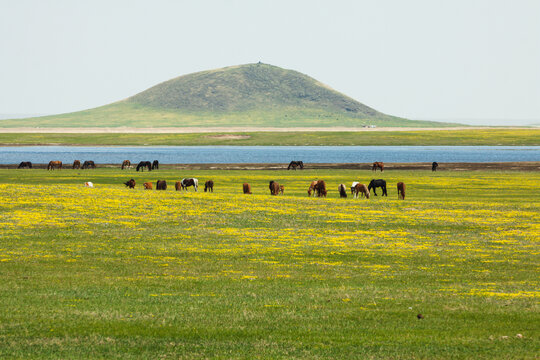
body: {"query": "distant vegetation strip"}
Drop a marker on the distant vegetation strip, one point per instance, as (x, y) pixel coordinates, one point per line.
(508, 137)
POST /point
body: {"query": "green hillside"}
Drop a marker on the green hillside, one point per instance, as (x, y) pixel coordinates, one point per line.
(257, 95)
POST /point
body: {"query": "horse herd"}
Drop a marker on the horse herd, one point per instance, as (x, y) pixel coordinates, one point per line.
(316, 188)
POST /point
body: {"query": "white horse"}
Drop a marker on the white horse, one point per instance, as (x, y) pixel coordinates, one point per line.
(353, 186)
(88, 184)
(190, 182)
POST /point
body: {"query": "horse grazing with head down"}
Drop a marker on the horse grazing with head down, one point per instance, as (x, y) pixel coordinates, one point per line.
(311, 188)
(377, 165)
(434, 166)
(130, 184)
(373, 184)
(247, 188)
(88, 164)
(401, 190)
(155, 165)
(161, 185)
(54, 164)
(144, 164)
(126, 164)
(148, 186)
(209, 186)
(361, 189)
(25, 164)
(76, 164)
(185, 183)
(295, 164)
(320, 188)
(342, 191)
(89, 184)
(274, 187)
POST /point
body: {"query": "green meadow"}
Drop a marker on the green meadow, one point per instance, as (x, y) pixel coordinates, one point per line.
(451, 272)
(510, 137)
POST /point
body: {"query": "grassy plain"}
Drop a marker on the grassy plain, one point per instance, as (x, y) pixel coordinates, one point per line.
(118, 273)
(510, 137)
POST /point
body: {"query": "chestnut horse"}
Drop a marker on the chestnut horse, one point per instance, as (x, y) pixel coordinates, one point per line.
(320, 188)
(247, 188)
(361, 189)
(54, 164)
(378, 164)
(148, 186)
(126, 164)
(76, 164)
(312, 187)
(401, 190)
(281, 189)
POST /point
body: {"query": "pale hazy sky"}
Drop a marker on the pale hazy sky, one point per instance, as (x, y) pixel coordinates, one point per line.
(420, 59)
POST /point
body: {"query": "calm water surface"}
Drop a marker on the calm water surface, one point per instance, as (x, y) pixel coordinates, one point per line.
(268, 154)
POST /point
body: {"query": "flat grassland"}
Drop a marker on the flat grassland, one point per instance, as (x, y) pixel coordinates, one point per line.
(510, 137)
(118, 273)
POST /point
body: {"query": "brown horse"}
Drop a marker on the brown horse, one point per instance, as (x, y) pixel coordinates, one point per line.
(312, 187)
(88, 164)
(401, 190)
(247, 188)
(161, 185)
(148, 186)
(76, 164)
(342, 191)
(320, 188)
(126, 164)
(274, 187)
(178, 186)
(130, 184)
(378, 164)
(361, 189)
(281, 189)
(54, 164)
(209, 186)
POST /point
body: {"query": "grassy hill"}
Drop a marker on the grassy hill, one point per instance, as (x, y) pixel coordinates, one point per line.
(245, 95)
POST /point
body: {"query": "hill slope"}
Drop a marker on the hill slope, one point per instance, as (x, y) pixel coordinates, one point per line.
(245, 95)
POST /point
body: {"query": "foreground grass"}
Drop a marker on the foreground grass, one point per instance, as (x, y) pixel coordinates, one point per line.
(510, 137)
(112, 272)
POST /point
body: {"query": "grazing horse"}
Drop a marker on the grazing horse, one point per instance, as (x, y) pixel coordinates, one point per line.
(361, 189)
(295, 164)
(54, 164)
(209, 186)
(401, 190)
(130, 184)
(378, 164)
(76, 164)
(312, 187)
(353, 186)
(25, 164)
(320, 188)
(247, 188)
(89, 184)
(161, 185)
(342, 191)
(88, 164)
(148, 186)
(434, 166)
(274, 187)
(144, 164)
(281, 189)
(378, 183)
(155, 165)
(185, 183)
(126, 164)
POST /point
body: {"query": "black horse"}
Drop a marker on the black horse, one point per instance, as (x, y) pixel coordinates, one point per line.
(155, 165)
(434, 166)
(209, 186)
(144, 164)
(378, 183)
(25, 164)
(295, 164)
(161, 185)
(88, 164)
